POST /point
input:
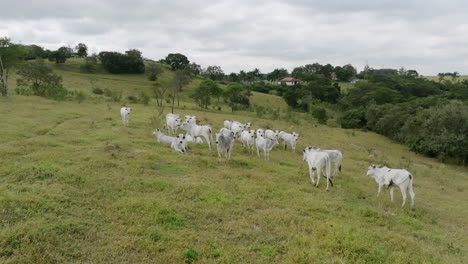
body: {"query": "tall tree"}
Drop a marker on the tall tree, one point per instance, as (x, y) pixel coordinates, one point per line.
(81, 50)
(214, 73)
(153, 70)
(177, 61)
(203, 93)
(10, 56)
(235, 96)
(180, 79)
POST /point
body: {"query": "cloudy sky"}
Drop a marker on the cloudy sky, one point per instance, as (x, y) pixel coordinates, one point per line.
(430, 36)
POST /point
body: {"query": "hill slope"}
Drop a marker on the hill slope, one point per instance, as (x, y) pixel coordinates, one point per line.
(77, 186)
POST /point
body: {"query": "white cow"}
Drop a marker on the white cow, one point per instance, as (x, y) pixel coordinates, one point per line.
(336, 157)
(197, 140)
(266, 144)
(289, 139)
(195, 130)
(247, 138)
(172, 123)
(260, 132)
(319, 162)
(271, 134)
(225, 142)
(178, 143)
(389, 177)
(191, 119)
(125, 114)
(228, 124)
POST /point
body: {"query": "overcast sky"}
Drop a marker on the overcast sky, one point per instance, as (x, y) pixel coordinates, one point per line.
(430, 36)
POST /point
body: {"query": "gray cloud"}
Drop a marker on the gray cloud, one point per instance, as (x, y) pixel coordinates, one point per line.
(429, 36)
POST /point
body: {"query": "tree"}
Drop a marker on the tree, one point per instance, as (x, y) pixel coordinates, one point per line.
(115, 62)
(60, 55)
(203, 93)
(177, 61)
(159, 92)
(194, 68)
(153, 70)
(180, 79)
(40, 78)
(215, 73)
(81, 50)
(277, 74)
(10, 56)
(235, 96)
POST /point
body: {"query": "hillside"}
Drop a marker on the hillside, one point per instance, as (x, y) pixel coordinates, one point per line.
(77, 186)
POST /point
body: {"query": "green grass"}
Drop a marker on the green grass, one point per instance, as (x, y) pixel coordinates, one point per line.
(78, 187)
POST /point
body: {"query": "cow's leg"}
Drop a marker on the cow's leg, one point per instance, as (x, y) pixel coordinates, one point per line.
(319, 172)
(411, 192)
(391, 193)
(311, 175)
(403, 193)
(380, 189)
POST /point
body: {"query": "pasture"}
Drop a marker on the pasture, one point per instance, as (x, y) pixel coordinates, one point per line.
(78, 187)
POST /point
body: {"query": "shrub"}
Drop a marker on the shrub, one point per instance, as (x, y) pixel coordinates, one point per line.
(97, 91)
(190, 255)
(132, 99)
(354, 118)
(320, 113)
(144, 98)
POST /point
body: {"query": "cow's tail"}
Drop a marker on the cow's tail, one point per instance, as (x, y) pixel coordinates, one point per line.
(339, 168)
(330, 180)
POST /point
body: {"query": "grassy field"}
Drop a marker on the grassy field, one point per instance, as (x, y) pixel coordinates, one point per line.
(436, 78)
(78, 187)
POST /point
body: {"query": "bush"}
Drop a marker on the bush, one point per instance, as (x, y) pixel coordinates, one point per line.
(144, 98)
(320, 113)
(190, 255)
(132, 99)
(115, 96)
(97, 91)
(354, 118)
(88, 67)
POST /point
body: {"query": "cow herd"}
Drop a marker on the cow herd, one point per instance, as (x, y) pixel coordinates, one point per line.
(319, 161)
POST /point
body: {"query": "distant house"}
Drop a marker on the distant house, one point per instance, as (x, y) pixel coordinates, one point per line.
(333, 76)
(289, 81)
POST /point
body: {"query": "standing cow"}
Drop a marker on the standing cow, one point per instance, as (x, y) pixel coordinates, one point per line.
(125, 114)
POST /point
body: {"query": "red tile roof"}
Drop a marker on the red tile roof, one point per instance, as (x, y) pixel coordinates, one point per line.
(289, 79)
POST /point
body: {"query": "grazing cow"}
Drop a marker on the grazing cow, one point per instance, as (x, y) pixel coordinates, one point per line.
(271, 134)
(172, 123)
(225, 142)
(260, 132)
(289, 139)
(336, 157)
(390, 177)
(319, 162)
(247, 138)
(195, 130)
(125, 114)
(178, 143)
(266, 144)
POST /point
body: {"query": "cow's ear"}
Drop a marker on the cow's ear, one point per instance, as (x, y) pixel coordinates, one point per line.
(373, 166)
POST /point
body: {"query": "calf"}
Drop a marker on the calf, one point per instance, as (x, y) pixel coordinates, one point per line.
(197, 140)
(260, 132)
(178, 143)
(319, 162)
(227, 124)
(247, 138)
(195, 130)
(172, 123)
(125, 114)
(289, 139)
(389, 177)
(271, 134)
(191, 119)
(225, 142)
(266, 144)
